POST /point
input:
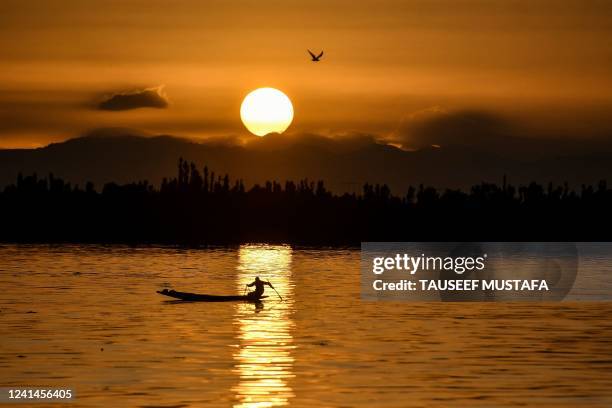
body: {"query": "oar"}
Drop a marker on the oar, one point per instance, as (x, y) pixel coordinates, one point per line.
(281, 298)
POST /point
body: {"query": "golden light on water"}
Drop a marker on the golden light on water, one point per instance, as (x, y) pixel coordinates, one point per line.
(266, 110)
(264, 359)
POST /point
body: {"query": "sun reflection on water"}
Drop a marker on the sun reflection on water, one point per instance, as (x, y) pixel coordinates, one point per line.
(264, 359)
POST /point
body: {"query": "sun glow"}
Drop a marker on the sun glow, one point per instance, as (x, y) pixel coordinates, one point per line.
(266, 110)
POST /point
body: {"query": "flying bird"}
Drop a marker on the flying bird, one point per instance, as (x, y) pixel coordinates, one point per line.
(315, 58)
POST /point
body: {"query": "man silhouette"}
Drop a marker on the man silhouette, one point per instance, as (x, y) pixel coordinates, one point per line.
(259, 287)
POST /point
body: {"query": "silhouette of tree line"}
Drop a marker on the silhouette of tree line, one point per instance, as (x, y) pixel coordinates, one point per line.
(205, 208)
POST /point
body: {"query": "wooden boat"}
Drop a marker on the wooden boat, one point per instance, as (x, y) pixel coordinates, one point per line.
(196, 297)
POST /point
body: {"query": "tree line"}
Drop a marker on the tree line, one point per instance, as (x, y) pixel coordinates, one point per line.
(204, 208)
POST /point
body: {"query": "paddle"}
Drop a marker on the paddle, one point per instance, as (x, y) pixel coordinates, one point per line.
(281, 298)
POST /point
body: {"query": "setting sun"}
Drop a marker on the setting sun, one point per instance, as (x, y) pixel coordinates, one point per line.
(266, 110)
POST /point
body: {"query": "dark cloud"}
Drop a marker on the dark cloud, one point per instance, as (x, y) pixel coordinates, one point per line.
(439, 127)
(488, 132)
(145, 98)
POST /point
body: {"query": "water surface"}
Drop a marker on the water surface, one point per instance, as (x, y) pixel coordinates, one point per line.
(88, 317)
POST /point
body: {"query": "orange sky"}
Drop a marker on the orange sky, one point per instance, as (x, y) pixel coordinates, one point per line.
(546, 63)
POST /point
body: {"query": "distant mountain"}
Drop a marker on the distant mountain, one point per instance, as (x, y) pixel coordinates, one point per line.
(345, 164)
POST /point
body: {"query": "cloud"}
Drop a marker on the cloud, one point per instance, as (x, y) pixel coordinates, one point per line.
(482, 131)
(439, 127)
(145, 98)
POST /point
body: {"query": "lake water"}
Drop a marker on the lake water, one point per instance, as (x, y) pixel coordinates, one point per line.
(88, 317)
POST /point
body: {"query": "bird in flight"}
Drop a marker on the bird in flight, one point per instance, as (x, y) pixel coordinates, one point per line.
(315, 58)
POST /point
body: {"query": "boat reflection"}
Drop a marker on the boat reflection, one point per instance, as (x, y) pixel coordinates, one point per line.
(264, 359)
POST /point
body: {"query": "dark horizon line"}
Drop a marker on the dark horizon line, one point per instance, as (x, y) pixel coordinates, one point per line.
(189, 175)
(194, 210)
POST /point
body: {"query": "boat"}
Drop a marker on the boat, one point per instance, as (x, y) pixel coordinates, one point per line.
(196, 297)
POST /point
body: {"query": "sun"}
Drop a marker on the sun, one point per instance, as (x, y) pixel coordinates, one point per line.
(266, 110)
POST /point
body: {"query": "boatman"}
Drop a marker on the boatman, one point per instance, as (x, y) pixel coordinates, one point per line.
(259, 287)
